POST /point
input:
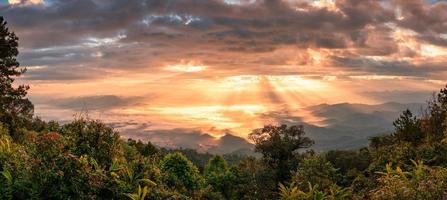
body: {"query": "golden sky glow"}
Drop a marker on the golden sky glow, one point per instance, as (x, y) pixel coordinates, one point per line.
(180, 65)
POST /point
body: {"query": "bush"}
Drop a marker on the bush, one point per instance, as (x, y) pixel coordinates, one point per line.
(93, 138)
(421, 182)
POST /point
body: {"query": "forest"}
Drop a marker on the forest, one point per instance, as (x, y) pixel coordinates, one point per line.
(87, 159)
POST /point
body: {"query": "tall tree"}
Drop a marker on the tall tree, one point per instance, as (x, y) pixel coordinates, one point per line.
(433, 123)
(408, 128)
(14, 106)
(178, 172)
(218, 175)
(279, 146)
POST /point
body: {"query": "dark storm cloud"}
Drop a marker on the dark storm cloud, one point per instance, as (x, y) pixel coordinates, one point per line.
(70, 21)
(62, 22)
(423, 18)
(129, 34)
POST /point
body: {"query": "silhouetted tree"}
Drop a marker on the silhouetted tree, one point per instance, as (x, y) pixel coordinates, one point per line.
(434, 123)
(15, 109)
(279, 146)
(408, 128)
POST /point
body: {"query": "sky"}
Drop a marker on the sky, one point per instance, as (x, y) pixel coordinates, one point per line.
(224, 66)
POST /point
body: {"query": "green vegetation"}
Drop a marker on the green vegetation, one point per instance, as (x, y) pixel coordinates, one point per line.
(86, 159)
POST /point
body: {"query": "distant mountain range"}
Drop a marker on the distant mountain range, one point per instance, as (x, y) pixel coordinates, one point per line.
(347, 126)
(351, 125)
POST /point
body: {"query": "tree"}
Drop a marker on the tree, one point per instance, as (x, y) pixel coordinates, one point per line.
(408, 128)
(144, 149)
(216, 164)
(315, 170)
(55, 173)
(93, 138)
(219, 177)
(279, 146)
(15, 109)
(350, 163)
(253, 180)
(375, 142)
(178, 172)
(433, 124)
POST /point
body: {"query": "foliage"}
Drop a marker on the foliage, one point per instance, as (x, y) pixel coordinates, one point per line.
(422, 182)
(292, 192)
(6, 189)
(349, 163)
(180, 173)
(216, 165)
(92, 138)
(139, 194)
(253, 180)
(197, 158)
(55, 173)
(147, 149)
(315, 170)
(408, 128)
(279, 146)
(218, 175)
(15, 108)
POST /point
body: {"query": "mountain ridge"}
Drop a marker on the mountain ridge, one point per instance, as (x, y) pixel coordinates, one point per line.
(348, 126)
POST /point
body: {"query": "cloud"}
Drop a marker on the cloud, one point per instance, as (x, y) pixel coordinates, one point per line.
(147, 34)
(142, 33)
(423, 18)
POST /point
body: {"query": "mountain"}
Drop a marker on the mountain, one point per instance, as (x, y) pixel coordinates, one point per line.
(231, 144)
(351, 125)
(192, 139)
(347, 126)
